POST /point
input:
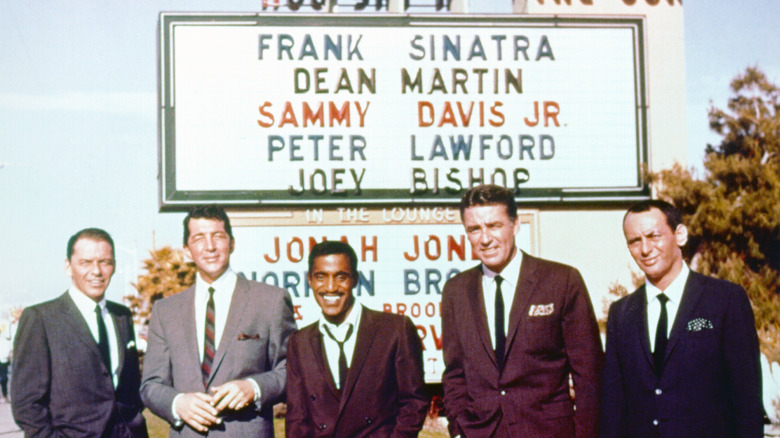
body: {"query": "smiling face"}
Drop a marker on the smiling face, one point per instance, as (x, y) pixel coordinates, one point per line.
(91, 266)
(209, 246)
(492, 234)
(331, 278)
(655, 246)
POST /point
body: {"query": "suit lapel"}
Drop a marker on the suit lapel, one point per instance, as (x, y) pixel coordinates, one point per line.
(238, 305)
(123, 337)
(476, 300)
(188, 322)
(75, 320)
(365, 338)
(317, 351)
(637, 319)
(526, 285)
(690, 298)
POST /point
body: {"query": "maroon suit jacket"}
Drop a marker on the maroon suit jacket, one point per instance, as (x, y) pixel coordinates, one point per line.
(384, 395)
(552, 334)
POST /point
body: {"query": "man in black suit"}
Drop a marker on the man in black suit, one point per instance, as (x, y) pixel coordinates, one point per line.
(682, 357)
(75, 364)
(356, 372)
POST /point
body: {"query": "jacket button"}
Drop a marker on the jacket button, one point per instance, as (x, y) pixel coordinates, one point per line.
(323, 426)
(655, 422)
(313, 397)
(369, 421)
(503, 392)
(658, 391)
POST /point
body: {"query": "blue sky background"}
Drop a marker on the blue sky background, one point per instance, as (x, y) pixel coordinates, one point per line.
(78, 124)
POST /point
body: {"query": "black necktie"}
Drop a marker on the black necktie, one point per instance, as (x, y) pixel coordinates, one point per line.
(208, 339)
(342, 357)
(660, 336)
(500, 334)
(103, 338)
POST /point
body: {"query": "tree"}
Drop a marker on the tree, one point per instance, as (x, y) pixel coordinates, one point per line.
(167, 273)
(733, 213)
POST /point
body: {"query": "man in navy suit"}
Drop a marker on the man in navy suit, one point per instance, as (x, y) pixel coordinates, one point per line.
(682, 357)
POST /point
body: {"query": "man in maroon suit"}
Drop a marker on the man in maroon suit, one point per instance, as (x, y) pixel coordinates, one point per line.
(516, 329)
(356, 372)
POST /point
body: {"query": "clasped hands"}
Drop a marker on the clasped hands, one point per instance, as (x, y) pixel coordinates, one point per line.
(200, 410)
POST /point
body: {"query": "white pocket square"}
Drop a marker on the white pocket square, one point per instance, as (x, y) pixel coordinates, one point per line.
(541, 309)
(130, 344)
(699, 324)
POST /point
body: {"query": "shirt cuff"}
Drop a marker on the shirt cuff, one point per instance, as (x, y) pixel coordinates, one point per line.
(256, 400)
(177, 421)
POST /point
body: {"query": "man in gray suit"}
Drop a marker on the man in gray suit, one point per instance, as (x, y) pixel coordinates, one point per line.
(216, 356)
(75, 362)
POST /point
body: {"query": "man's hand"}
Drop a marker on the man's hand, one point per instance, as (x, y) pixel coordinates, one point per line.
(197, 410)
(235, 395)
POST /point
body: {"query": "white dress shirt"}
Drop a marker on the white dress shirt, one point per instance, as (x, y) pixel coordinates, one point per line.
(340, 332)
(674, 291)
(223, 294)
(86, 307)
(509, 276)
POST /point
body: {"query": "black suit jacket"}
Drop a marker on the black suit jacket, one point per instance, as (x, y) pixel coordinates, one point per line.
(384, 395)
(711, 381)
(61, 387)
(552, 335)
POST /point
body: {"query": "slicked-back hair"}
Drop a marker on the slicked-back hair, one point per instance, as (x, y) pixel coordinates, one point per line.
(489, 194)
(90, 233)
(672, 214)
(330, 247)
(211, 211)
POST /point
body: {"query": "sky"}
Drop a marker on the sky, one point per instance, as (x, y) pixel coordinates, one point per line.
(78, 125)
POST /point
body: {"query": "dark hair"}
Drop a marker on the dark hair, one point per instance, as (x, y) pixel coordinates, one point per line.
(671, 212)
(330, 247)
(90, 233)
(489, 194)
(212, 211)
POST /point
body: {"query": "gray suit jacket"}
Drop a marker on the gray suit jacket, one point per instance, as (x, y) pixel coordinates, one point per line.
(61, 387)
(253, 345)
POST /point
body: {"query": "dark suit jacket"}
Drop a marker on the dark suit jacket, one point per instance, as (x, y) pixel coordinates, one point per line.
(384, 395)
(530, 396)
(253, 344)
(711, 381)
(61, 387)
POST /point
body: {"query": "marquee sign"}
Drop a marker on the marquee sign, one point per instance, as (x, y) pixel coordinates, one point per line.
(263, 110)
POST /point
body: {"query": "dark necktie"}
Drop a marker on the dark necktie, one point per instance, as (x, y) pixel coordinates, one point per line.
(660, 336)
(342, 357)
(103, 338)
(208, 339)
(500, 334)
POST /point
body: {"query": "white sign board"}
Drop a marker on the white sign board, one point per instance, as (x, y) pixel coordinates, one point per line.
(317, 110)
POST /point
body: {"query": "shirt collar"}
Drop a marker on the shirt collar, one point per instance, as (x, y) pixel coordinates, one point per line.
(511, 271)
(84, 303)
(352, 319)
(225, 282)
(675, 289)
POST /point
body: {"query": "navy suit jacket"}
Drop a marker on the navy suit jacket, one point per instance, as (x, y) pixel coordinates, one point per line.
(61, 387)
(711, 381)
(384, 395)
(552, 335)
